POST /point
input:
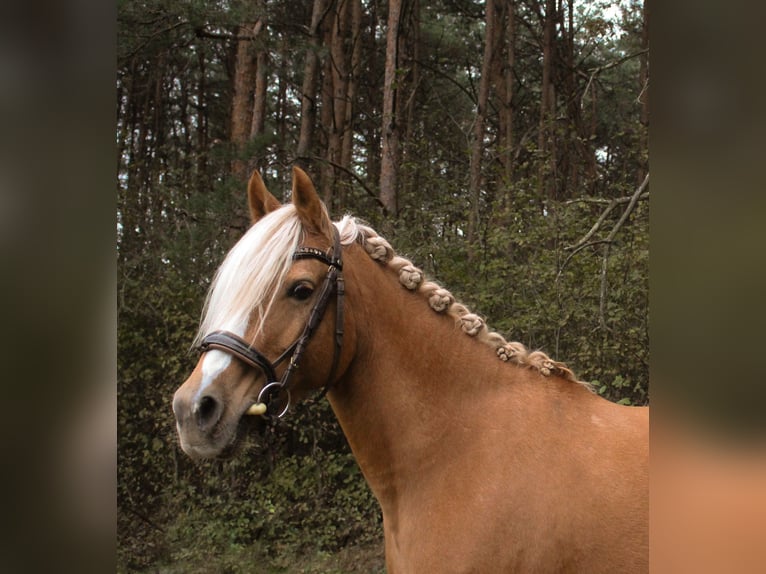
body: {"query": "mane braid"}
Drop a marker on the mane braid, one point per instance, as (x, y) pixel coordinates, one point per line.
(442, 301)
(258, 263)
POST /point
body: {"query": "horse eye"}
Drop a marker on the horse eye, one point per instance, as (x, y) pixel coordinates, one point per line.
(301, 291)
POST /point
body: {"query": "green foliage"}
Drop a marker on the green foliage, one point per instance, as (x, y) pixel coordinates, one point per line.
(302, 492)
(528, 288)
(224, 511)
(294, 500)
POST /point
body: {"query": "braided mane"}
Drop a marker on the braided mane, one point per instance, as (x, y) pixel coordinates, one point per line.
(442, 301)
(259, 262)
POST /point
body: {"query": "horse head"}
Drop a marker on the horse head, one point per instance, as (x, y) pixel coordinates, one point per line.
(263, 341)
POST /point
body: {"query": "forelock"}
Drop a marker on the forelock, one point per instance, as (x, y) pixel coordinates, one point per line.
(249, 276)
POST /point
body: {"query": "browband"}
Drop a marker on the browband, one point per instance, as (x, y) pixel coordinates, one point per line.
(314, 253)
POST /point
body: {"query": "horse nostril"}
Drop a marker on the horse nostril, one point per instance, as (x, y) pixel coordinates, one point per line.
(208, 411)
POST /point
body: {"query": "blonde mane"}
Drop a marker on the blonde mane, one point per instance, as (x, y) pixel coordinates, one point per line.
(442, 301)
(258, 263)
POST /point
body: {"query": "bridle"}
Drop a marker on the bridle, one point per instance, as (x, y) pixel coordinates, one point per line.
(238, 347)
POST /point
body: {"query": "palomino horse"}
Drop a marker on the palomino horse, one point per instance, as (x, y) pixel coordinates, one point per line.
(485, 457)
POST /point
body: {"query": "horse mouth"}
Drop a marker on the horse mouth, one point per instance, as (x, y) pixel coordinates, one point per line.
(246, 427)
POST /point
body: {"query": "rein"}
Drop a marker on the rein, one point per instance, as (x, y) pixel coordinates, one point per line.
(238, 347)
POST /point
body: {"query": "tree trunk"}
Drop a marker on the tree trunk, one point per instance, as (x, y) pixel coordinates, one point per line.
(203, 181)
(389, 168)
(242, 100)
(546, 141)
(338, 76)
(644, 93)
(352, 84)
(506, 89)
(407, 106)
(259, 98)
(327, 113)
(309, 88)
(284, 111)
(373, 95)
(474, 184)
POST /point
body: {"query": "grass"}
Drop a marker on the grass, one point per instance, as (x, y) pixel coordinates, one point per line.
(366, 559)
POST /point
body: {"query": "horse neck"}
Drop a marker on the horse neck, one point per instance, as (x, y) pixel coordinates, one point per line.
(413, 378)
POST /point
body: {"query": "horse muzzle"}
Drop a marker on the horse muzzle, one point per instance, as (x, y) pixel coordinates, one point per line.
(209, 422)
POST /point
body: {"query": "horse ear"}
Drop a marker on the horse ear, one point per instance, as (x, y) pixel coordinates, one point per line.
(258, 197)
(311, 210)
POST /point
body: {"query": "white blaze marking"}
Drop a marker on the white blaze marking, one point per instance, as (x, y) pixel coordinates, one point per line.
(214, 362)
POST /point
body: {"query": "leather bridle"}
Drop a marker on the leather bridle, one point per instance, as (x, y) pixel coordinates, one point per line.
(238, 347)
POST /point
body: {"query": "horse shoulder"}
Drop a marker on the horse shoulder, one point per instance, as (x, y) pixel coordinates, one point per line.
(531, 482)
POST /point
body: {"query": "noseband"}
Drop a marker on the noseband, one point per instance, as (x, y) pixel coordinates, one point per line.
(235, 345)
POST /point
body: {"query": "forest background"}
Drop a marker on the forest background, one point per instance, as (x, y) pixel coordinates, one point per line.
(502, 146)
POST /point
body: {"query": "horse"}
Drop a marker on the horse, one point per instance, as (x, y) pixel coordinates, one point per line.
(484, 456)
